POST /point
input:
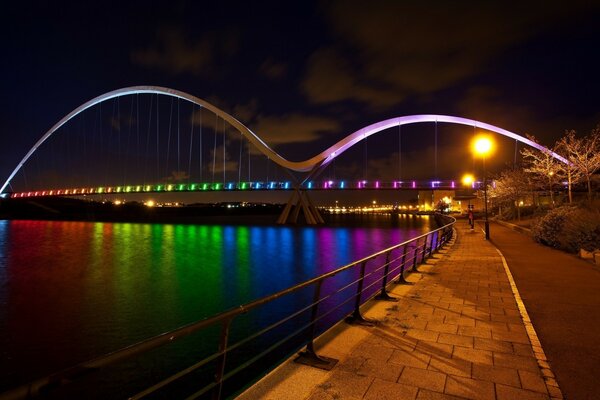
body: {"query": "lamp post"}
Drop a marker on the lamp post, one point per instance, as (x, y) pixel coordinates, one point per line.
(483, 146)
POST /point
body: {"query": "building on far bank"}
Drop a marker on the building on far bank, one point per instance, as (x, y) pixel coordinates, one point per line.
(458, 200)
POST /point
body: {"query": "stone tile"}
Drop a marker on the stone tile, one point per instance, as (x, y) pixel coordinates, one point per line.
(382, 370)
(384, 390)
(423, 378)
(516, 361)
(474, 331)
(476, 356)
(342, 385)
(371, 352)
(415, 358)
(504, 392)
(532, 381)
(509, 319)
(470, 388)
(492, 345)
(492, 325)
(523, 349)
(456, 340)
(515, 337)
(507, 376)
(460, 320)
(422, 334)
(435, 349)
(451, 366)
(351, 364)
(425, 394)
(442, 328)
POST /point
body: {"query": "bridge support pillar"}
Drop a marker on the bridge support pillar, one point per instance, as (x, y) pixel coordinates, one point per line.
(299, 201)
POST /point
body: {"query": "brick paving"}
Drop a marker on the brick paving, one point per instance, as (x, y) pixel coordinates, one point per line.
(455, 333)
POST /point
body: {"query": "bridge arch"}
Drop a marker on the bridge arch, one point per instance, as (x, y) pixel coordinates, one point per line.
(328, 155)
(312, 164)
(251, 136)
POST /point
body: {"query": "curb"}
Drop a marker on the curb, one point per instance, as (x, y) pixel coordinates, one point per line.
(514, 227)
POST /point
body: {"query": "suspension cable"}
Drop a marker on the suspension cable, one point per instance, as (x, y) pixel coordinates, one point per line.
(178, 123)
(157, 142)
(399, 152)
(200, 117)
(169, 140)
(191, 144)
(240, 160)
(435, 150)
(215, 148)
(148, 137)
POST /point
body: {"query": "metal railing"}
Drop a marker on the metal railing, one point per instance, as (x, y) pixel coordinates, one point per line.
(400, 258)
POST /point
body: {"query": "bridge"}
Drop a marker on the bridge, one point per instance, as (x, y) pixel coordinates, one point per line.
(129, 153)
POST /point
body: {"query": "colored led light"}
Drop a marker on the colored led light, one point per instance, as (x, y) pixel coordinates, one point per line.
(414, 184)
(342, 184)
(182, 187)
(310, 185)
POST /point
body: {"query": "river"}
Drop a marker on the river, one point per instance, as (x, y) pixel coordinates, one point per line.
(71, 291)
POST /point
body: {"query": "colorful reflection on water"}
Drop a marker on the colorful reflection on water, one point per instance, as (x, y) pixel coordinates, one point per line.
(71, 291)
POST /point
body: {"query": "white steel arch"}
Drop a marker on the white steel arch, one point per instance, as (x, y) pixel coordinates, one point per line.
(313, 163)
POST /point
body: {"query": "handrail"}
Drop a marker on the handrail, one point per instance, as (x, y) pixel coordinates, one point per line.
(225, 318)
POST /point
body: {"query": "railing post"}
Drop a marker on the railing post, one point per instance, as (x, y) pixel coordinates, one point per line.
(356, 317)
(415, 255)
(424, 252)
(402, 264)
(431, 247)
(310, 357)
(384, 295)
(216, 394)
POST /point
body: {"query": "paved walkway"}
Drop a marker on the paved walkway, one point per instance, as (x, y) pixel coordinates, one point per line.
(562, 295)
(456, 333)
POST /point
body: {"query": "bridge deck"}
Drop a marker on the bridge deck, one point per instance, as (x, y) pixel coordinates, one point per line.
(458, 331)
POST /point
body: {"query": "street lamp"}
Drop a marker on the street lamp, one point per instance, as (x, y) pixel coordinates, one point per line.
(483, 146)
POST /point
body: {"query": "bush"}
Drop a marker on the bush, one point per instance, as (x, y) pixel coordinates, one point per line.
(569, 228)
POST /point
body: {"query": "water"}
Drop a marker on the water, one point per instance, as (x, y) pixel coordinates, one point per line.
(71, 291)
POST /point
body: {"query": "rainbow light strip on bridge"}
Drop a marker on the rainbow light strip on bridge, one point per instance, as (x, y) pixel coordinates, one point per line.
(246, 186)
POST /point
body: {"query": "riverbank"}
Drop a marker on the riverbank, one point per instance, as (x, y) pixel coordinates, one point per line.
(72, 209)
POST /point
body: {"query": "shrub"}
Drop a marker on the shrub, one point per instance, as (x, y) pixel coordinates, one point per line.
(569, 228)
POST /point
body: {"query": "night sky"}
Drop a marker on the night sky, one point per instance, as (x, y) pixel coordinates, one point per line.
(303, 75)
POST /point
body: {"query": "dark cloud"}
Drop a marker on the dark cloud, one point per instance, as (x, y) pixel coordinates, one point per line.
(293, 128)
(175, 52)
(398, 49)
(273, 69)
(331, 78)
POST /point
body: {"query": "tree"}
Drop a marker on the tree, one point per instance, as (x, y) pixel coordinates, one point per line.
(583, 155)
(546, 170)
(511, 186)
